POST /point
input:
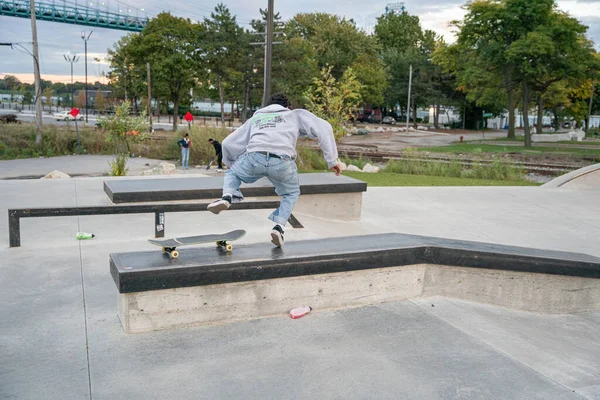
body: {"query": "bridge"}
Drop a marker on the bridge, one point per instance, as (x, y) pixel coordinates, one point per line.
(76, 14)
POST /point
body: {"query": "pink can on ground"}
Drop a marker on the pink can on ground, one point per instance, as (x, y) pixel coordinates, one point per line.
(300, 312)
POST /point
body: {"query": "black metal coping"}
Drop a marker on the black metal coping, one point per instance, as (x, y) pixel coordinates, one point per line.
(148, 190)
(207, 265)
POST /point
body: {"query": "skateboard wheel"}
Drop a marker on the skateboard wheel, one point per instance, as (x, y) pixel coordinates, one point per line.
(174, 254)
(228, 247)
(165, 250)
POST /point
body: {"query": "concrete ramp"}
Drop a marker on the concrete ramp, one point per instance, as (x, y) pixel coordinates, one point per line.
(587, 178)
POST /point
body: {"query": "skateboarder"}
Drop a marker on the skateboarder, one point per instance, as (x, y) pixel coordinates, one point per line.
(265, 146)
(218, 153)
(184, 144)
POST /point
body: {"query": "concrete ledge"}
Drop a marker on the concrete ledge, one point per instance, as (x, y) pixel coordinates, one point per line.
(182, 307)
(206, 285)
(149, 190)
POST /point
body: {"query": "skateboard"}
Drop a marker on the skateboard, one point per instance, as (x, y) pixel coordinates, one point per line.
(169, 246)
(212, 160)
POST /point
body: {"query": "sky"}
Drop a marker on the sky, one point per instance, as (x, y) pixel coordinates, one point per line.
(56, 39)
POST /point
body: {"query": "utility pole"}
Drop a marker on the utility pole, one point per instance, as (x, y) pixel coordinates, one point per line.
(268, 43)
(408, 107)
(589, 124)
(36, 73)
(149, 96)
(85, 39)
(71, 59)
(268, 54)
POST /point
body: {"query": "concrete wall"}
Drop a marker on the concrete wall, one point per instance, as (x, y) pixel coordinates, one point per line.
(173, 308)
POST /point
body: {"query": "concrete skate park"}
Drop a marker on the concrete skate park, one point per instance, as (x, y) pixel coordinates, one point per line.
(417, 293)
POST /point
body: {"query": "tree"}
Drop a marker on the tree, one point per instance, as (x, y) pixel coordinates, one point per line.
(27, 97)
(126, 76)
(224, 48)
(12, 82)
(80, 100)
(48, 98)
(522, 45)
(334, 100)
(101, 101)
(339, 44)
(404, 44)
(123, 129)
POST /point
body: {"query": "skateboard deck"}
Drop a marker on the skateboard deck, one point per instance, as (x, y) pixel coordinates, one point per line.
(212, 160)
(169, 245)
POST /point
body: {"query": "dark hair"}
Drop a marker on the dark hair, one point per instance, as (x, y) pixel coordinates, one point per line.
(280, 99)
(211, 140)
(187, 134)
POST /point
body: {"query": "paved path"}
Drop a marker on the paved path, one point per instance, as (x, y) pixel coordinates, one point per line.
(78, 165)
(60, 337)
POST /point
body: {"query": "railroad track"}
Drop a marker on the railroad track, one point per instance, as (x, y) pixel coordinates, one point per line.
(542, 168)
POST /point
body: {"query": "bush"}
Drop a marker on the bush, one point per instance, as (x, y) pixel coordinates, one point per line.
(414, 164)
(359, 162)
(18, 141)
(310, 159)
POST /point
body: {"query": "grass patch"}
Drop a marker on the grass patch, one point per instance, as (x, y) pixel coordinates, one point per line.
(392, 179)
(18, 141)
(521, 139)
(491, 148)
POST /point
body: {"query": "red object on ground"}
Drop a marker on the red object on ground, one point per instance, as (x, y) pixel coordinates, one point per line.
(300, 312)
(461, 138)
(74, 112)
(188, 116)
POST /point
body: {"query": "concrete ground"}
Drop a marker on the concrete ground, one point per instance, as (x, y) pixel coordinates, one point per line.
(60, 337)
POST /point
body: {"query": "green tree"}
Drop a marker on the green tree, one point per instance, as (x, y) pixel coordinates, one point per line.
(27, 97)
(226, 44)
(524, 46)
(12, 82)
(126, 75)
(339, 44)
(334, 100)
(122, 130)
(48, 98)
(101, 101)
(404, 44)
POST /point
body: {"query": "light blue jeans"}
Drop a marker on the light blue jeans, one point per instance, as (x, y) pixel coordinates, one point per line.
(282, 172)
(185, 157)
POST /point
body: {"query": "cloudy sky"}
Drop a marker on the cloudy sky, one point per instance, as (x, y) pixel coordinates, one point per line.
(58, 39)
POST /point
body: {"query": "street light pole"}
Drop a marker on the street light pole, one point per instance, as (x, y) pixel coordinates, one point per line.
(71, 59)
(408, 106)
(85, 39)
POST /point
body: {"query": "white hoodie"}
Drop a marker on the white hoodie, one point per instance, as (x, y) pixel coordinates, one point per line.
(276, 129)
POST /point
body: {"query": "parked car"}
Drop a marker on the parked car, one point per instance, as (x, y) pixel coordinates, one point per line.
(388, 119)
(65, 116)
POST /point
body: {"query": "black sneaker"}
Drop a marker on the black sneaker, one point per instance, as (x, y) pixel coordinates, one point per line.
(277, 236)
(217, 206)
